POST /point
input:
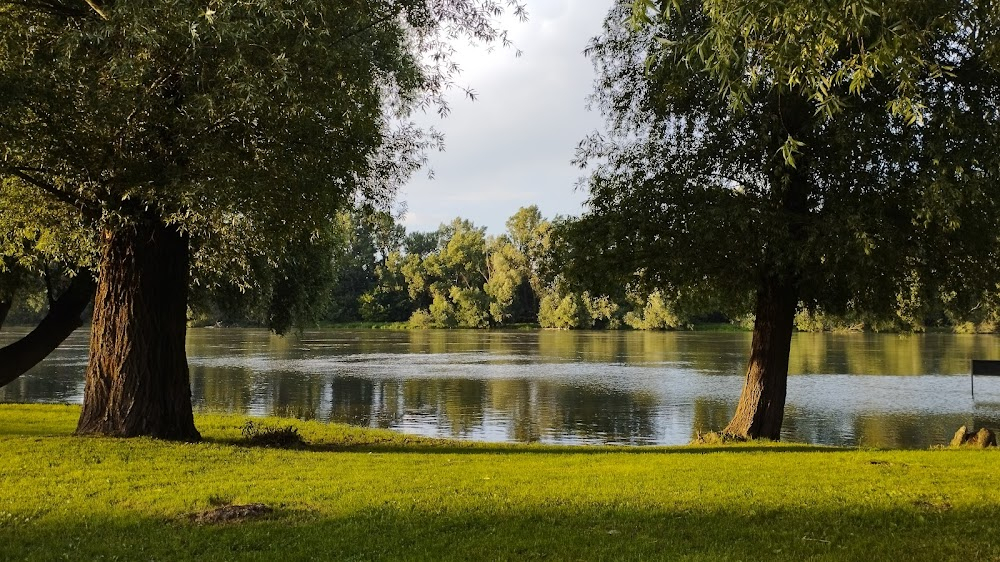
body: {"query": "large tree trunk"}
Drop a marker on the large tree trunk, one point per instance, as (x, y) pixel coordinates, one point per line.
(63, 317)
(761, 409)
(137, 378)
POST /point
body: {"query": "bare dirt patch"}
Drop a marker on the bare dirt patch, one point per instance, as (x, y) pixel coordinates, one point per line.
(231, 514)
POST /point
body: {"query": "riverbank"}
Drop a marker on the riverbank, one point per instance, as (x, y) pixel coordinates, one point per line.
(358, 494)
(527, 327)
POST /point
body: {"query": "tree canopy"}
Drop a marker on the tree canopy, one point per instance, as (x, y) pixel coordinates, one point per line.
(199, 141)
(770, 155)
(244, 123)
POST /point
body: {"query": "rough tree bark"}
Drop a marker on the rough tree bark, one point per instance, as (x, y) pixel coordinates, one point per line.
(63, 317)
(761, 408)
(137, 377)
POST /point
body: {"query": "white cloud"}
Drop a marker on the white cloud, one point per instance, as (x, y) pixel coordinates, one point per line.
(513, 146)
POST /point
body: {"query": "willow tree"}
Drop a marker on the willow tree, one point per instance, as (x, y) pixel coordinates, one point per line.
(45, 254)
(796, 154)
(196, 136)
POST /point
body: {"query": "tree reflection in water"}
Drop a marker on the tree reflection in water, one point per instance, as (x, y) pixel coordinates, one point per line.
(571, 387)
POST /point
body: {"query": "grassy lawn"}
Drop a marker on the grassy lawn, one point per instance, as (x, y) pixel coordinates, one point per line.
(356, 494)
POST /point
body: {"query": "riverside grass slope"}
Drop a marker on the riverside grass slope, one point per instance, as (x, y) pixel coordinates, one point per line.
(358, 494)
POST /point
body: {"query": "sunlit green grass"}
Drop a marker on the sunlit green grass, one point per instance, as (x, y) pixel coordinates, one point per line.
(357, 494)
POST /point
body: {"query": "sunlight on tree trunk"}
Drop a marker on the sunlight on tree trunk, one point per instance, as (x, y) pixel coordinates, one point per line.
(137, 377)
(62, 319)
(762, 404)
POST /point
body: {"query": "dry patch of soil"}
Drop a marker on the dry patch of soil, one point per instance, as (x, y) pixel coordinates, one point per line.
(231, 514)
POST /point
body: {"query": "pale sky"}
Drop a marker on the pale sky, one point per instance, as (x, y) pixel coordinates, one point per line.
(512, 147)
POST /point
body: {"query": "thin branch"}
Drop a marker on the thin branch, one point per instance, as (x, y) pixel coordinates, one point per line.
(218, 125)
(85, 207)
(63, 317)
(372, 25)
(100, 12)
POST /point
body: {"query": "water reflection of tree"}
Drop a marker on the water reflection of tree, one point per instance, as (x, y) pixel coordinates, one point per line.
(706, 352)
(601, 414)
(889, 354)
(459, 407)
(899, 430)
(348, 399)
(605, 347)
(538, 409)
(462, 341)
(224, 388)
(292, 394)
(710, 415)
(59, 378)
(221, 388)
(807, 427)
(259, 378)
(456, 404)
(516, 399)
(45, 383)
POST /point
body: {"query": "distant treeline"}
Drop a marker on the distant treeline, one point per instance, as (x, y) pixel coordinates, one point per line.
(456, 277)
(460, 277)
(367, 268)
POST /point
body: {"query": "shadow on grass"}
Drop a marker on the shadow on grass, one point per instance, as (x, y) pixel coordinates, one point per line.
(453, 448)
(568, 532)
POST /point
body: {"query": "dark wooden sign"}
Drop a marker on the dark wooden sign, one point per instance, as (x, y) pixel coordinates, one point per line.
(983, 368)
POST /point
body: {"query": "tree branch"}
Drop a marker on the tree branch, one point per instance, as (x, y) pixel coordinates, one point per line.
(372, 25)
(218, 125)
(85, 207)
(100, 12)
(62, 319)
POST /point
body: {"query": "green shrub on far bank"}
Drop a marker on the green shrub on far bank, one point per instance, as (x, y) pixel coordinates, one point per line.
(657, 314)
(564, 312)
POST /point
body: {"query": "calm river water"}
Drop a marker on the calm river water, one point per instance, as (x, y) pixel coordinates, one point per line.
(571, 387)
